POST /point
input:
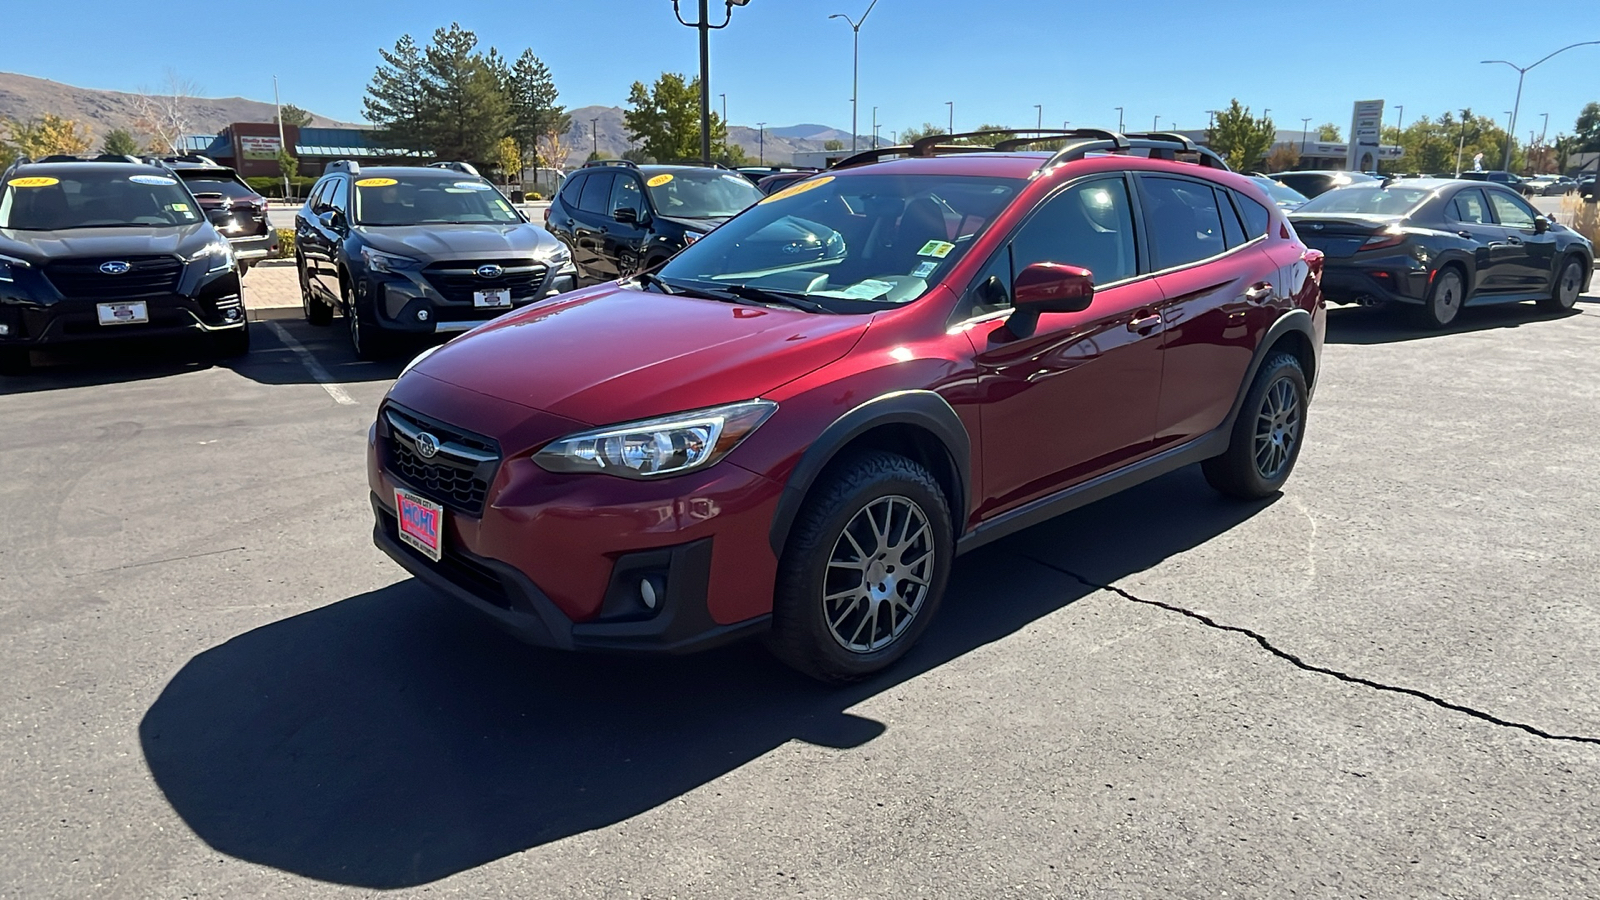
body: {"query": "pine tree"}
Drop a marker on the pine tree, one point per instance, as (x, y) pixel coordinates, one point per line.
(395, 100)
(531, 95)
(120, 142)
(466, 110)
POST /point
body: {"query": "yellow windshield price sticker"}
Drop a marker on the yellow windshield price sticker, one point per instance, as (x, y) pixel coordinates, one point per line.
(180, 207)
(801, 188)
(33, 181)
(936, 249)
(376, 182)
(659, 180)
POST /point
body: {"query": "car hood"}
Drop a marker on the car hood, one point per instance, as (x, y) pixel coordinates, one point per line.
(612, 354)
(436, 242)
(705, 224)
(42, 246)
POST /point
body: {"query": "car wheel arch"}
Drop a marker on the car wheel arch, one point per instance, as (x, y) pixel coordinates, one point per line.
(1293, 332)
(919, 424)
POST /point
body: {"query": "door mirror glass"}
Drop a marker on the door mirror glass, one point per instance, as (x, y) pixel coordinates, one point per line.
(331, 219)
(1541, 224)
(625, 214)
(1053, 287)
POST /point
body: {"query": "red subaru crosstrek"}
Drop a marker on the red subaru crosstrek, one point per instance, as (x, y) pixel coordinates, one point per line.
(795, 425)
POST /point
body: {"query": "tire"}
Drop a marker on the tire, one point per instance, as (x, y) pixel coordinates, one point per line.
(1267, 436)
(1569, 284)
(366, 339)
(316, 312)
(820, 620)
(1445, 297)
(233, 343)
(15, 361)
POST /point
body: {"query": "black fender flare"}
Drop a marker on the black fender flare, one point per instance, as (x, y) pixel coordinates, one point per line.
(1466, 260)
(921, 408)
(1297, 320)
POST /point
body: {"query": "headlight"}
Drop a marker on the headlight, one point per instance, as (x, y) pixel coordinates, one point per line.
(219, 255)
(559, 256)
(379, 261)
(656, 448)
(419, 358)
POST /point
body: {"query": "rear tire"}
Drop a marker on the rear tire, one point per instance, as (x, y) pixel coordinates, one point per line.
(1445, 297)
(864, 569)
(1267, 436)
(1569, 284)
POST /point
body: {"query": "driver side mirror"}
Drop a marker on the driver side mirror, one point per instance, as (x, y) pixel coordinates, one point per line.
(627, 215)
(332, 220)
(1541, 224)
(1048, 287)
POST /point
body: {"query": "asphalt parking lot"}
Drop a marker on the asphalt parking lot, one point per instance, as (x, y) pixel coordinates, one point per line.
(1381, 683)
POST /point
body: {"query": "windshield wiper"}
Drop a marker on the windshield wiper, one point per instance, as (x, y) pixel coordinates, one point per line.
(783, 298)
(652, 278)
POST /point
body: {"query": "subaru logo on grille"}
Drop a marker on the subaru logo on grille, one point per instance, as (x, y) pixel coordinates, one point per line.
(490, 271)
(427, 445)
(115, 267)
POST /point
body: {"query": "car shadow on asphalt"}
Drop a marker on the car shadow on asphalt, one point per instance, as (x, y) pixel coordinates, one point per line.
(392, 739)
(1384, 325)
(110, 363)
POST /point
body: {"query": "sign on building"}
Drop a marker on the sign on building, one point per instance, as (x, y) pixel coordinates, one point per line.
(259, 146)
(1366, 132)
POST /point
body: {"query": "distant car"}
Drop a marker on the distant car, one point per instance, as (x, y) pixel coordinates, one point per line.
(1586, 183)
(775, 183)
(756, 173)
(1440, 244)
(406, 252)
(620, 219)
(1549, 186)
(1313, 182)
(1284, 197)
(109, 249)
(1497, 176)
(244, 221)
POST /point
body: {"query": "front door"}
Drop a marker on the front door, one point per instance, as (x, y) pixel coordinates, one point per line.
(1077, 397)
(590, 222)
(623, 243)
(1531, 267)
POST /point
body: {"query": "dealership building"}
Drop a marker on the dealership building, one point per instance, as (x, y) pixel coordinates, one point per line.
(252, 147)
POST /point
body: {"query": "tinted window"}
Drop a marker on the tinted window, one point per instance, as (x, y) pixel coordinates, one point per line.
(88, 199)
(319, 195)
(596, 193)
(1469, 206)
(1372, 199)
(1088, 225)
(701, 193)
(625, 193)
(572, 188)
(1256, 218)
(232, 188)
(339, 195)
(1230, 219)
(1182, 221)
(427, 199)
(1511, 211)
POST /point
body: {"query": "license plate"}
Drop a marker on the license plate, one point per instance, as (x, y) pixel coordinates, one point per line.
(496, 299)
(421, 523)
(122, 313)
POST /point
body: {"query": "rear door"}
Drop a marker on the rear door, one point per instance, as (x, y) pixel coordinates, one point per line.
(1219, 289)
(1531, 259)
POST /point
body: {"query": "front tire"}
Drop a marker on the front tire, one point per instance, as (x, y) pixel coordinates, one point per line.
(864, 568)
(1266, 438)
(1569, 284)
(1445, 297)
(366, 339)
(316, 312)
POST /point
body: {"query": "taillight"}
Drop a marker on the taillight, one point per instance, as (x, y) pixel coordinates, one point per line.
(1389, 237)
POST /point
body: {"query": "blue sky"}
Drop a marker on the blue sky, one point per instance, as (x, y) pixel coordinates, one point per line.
(784, 62)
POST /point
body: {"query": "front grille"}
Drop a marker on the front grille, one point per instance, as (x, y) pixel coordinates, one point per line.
(148, 276)
(463, 570)
(456, 280)
(457, 475)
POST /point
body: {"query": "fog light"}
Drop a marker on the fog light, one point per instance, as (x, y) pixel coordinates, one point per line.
(5, 330)
(232, 315)
(422, 315)
(647, 593)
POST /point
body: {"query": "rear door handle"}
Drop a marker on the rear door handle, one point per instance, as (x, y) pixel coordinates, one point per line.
(1258, 293)
(1144, 323)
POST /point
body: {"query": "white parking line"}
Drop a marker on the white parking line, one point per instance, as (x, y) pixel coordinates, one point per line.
(315, 368)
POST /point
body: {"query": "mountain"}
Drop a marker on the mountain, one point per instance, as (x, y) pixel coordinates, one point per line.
(601, 127)
(24, 97)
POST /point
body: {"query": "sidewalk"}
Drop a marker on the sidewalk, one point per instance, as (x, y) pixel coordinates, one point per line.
(272, 291)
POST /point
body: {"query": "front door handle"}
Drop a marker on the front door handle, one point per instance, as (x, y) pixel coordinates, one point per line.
(1145, 323)
(1465, 234)
(1258, 293)
(1514, 241)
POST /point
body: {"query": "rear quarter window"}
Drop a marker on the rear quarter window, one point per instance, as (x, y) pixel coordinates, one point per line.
(1256, 218)
(571, 190)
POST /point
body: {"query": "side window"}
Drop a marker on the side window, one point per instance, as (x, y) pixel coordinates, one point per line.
(1181, 217)
(571, 189)
(991, 290)
(1511, 211)
(626, 193)
(1256, 218)
(1090, 224)
(319, 195)
(1230, 219)
(339, 195)
(1469, 207)
(596, 192)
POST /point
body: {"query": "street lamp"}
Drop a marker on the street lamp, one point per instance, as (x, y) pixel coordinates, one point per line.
(724, 109)
(1305, 126)
(952, 105)
(1211, 119)
(855, 66)
(761, 143)
(594, 129)
(874, 128)
(1119, 120)
(1522, 72)
(705, 27)
(1039, 108)
(1155, 124)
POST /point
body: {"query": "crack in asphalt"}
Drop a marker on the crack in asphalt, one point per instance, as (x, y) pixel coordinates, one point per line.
(1301, 664)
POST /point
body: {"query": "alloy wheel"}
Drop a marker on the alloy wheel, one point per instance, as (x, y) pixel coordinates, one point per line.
(1571, 284)
(1447, 298)
(1277, 429)
(878, 574)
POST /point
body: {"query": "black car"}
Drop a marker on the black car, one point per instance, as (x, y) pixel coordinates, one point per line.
(1441, 244)
(95, 250)
(1313, 182)
(405, 252)
(1497, 176)
(771, 184)
(1282, 196)
(620, 218)
(244, 220)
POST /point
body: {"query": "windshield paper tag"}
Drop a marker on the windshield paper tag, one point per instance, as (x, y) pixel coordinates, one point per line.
(35, 181)
(870, 289)
(923, 270)
(936, 249)
(472, 185)
(376, 182)
(180, 207)
(151, 179)
(658, 180)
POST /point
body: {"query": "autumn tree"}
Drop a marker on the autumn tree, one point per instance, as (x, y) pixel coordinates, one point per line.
(1283, 159)
(665, 118)
(43, 136)
(508, 159)
(167, 114)
(1240, 138)
(120, 142)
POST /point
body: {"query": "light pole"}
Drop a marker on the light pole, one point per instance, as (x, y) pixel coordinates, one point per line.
(1211, 119)
(1511, 117)
(761, 143)
(1305, 127)
(952, 105)
(1155, 124)
(1522, 72)
(1119, 120)
(282, 147)
(705, 27)
(1065, 123)
(724, 109)
(855, 66)
(594, 129)
(1039, 108)
(874, 128)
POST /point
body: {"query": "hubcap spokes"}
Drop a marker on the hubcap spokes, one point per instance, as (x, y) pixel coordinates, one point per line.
(878, 574)
(1277, 429)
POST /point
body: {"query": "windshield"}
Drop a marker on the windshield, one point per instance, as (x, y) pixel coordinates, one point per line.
(856, 243)
(430, 200)
(1368, 199)
(700, 194)
(1281, 194)
(103, 199)
(231, 188)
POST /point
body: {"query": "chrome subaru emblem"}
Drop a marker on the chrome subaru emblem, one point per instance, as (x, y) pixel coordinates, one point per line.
(490, 271)
(427, 445)
(115, 267)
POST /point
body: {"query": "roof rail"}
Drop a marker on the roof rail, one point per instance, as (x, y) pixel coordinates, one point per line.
(463, 168)
(343, 165)
(697, 162)
(601, 163)
(1161, 144)
(867, 157)
(193, 158)
(1208, 157)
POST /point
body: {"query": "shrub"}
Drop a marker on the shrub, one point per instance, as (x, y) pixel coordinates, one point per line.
(285, 243)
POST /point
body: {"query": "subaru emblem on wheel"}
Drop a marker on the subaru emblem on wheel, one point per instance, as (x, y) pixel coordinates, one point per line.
(115, 267)
(490, 271)
(427, 445)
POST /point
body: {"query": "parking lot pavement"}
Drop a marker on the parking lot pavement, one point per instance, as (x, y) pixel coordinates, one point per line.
(1381, 683)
